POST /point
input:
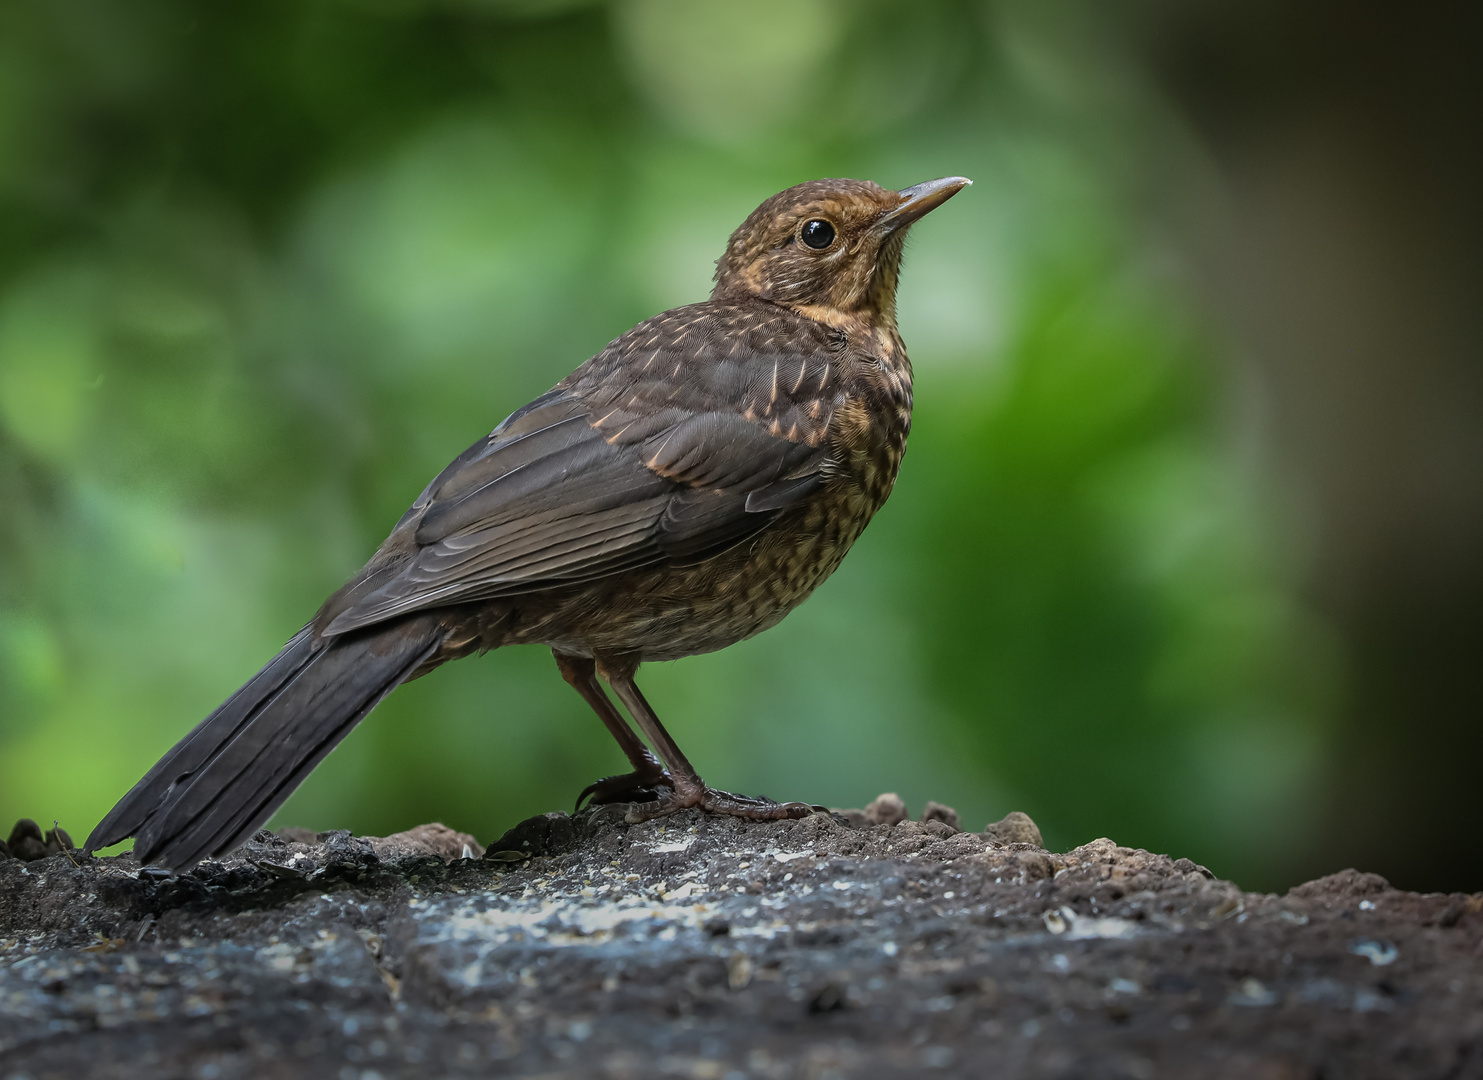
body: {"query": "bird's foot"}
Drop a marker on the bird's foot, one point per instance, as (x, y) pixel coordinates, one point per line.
(684, 796)
(627, 787)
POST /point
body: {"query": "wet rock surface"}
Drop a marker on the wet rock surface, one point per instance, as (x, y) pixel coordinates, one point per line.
(706, 947)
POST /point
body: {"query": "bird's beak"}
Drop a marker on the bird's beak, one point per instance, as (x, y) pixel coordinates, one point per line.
(920, 199)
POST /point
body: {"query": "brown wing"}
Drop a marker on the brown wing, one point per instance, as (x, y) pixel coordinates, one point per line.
(555, 496)
(751, 360)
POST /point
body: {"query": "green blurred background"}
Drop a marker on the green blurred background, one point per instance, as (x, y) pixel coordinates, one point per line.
(265, 268)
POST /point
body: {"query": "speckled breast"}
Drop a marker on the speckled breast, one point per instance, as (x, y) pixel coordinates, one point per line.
(671, 612)
(855, 391)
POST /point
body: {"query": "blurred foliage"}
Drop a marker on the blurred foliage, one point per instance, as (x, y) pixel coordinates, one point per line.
(265, 268)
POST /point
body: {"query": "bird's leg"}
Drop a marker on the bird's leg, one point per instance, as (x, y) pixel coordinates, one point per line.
(648, 774)
(689, 789)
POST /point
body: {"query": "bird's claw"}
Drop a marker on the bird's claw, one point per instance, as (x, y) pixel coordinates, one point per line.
(714, 801)
(625, 787)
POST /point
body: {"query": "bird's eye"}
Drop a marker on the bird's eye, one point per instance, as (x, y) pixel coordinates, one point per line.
(817, 234)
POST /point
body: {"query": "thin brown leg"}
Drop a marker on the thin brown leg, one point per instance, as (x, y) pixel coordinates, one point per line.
(689, 789)
(647, 774)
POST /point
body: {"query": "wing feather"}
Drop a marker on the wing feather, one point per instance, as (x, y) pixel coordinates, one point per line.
(575, 487)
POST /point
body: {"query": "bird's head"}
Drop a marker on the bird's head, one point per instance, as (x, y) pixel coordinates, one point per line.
(828, 248)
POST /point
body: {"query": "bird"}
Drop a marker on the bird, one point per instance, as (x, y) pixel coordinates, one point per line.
(680, 491)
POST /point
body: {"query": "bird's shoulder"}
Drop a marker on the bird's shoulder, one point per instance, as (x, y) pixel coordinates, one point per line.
(748, 358)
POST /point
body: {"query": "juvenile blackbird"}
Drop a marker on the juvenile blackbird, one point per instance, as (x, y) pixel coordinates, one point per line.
(684, 489)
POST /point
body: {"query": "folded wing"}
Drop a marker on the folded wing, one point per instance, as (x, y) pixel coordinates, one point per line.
(546, 500)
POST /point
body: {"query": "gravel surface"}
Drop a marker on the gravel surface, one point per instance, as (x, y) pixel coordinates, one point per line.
(713, 949)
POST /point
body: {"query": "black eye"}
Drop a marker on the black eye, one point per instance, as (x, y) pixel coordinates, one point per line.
(817, 234)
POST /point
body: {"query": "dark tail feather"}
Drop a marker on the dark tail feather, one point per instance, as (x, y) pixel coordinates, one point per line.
(224, 779)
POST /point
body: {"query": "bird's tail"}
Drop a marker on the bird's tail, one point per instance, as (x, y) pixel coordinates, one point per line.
(223, 780)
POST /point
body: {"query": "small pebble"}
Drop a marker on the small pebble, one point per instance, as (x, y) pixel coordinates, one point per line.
(28, 844)
(1015, 828)
(937, 811)
(887, 809)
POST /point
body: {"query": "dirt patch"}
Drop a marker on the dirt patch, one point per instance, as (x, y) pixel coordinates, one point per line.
(710, 948)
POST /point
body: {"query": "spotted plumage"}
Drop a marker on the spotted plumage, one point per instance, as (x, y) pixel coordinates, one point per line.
(684, 489)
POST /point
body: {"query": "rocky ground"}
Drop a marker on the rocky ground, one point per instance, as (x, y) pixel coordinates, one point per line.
(713, 949)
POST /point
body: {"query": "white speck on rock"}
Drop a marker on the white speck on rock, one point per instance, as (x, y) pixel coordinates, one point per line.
(1252, 992)
(1065, 921)
(1379, 953)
